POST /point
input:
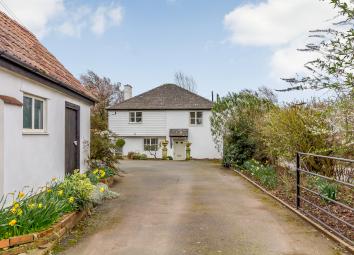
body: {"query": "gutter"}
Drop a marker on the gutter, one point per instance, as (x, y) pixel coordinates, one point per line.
(37, 72)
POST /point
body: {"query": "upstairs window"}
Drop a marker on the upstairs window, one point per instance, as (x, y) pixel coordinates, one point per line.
(196, 118)
(33, 113)
(135, 117)
(150, 144)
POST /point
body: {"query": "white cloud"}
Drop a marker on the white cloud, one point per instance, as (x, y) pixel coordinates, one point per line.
(34, 14)
(276, 22)
(43, 16)
(284, 26)
(106, 16)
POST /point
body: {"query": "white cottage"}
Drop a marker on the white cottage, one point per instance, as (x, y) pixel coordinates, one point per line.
(167, 112)
(44, 112)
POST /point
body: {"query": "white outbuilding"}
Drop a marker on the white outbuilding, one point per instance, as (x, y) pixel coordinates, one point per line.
(44, 112)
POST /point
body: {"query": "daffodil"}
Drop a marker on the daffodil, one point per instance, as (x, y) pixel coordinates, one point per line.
(54, 179)
(95, 171)
(71, 200)
(49, 190)
(19, 212)
(60, 192)
(40, 205)
(31, 206)
(16, 205)
(13, 210)
(102, 173)
(21, 195)
(102, 190)
(12, 223)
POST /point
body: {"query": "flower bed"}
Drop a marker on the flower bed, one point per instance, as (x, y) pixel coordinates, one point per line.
(34, 214)
(281, 183)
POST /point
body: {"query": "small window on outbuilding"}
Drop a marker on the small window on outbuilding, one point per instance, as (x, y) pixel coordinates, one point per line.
(33, 113)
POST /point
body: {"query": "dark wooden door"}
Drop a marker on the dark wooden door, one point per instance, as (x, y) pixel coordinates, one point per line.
(72, 137)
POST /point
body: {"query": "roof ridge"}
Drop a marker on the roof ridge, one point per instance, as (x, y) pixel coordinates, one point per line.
(166, 96)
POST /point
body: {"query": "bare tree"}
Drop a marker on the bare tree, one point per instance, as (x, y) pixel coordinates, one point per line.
(107, 92)
(185, 81)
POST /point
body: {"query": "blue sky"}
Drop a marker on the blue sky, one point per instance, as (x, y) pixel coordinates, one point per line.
(226, 45)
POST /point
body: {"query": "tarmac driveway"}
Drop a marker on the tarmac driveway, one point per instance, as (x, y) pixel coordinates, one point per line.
(195, 207)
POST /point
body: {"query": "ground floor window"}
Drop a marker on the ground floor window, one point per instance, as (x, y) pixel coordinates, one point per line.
(33, 113)
(150, 144)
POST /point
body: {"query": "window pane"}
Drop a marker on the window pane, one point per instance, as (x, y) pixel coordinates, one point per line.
(192, 114)
(27, 112)
(199, 121)
(38, 114)
(199, 114)
(193, 121)
(139, 114)
(132, 117)
(138, 119)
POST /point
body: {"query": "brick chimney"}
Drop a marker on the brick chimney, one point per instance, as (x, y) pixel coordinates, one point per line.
(127, 92)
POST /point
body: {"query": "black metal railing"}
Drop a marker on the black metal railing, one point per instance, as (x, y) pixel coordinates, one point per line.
(316, 204)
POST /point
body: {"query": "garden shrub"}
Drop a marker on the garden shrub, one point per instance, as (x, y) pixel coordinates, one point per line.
(266, 175)
(139, 156)
(102, 192)
(104, 150)
(234, 125)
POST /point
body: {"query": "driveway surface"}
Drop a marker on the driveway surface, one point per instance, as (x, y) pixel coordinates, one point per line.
(196, 207)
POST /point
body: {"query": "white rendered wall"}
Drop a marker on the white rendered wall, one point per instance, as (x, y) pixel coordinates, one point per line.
(32, 160)
(1, 148)
(158, 124)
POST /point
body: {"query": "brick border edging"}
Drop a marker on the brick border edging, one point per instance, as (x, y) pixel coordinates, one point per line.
(316, 225)
(109, 181)
(20, 244)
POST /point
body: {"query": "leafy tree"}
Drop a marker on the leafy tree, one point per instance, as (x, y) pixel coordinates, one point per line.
(186, 82)
(104, 150)
(334, 67)
(107, 92)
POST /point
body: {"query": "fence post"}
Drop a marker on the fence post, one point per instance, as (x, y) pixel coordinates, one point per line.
(297, 180)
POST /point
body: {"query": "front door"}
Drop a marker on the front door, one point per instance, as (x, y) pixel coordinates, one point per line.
(179, 150)
(72, 137)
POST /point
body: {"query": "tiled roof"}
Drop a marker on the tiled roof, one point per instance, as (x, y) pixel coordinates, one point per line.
(17, 43)
(165, 97)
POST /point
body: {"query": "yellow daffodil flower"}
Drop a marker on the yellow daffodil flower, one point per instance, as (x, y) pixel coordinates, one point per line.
(12, 223)
(16, 205)
(31, 206)
(49, 190)
(13, 210)
(54, 179)
(40, 205)
(60, 192)
(71, 200)
(19, 212)
(21, 195)
(95, 171)
(102, 190)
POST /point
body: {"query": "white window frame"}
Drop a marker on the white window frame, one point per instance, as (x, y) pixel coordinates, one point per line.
(33, 130)
(149, 143)
(195, 118)
(134, 120)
